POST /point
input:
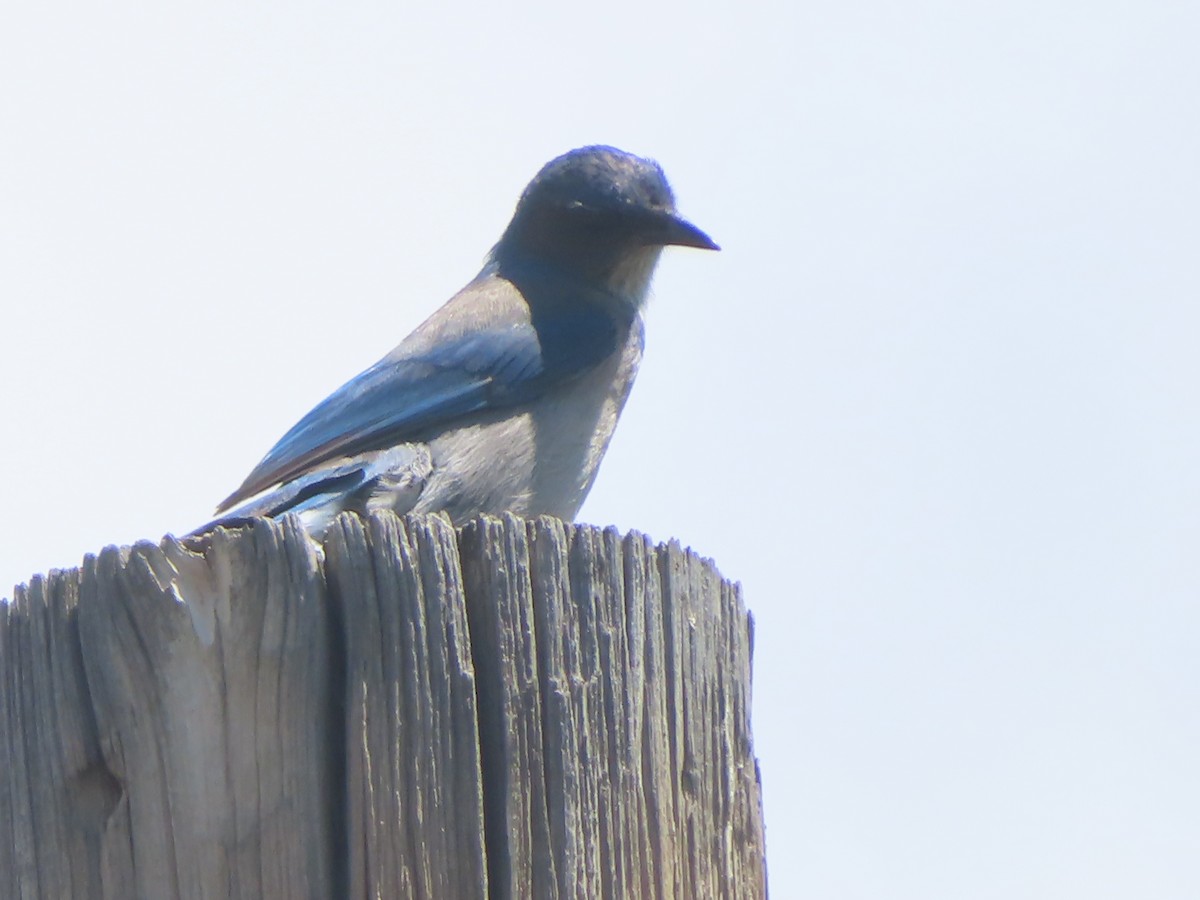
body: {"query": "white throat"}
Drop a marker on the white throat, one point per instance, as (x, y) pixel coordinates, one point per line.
(631, 278)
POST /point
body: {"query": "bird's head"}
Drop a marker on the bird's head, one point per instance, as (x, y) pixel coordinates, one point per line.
(601, 214)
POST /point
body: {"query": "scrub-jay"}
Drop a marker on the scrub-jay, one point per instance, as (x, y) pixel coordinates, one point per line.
(507, 396)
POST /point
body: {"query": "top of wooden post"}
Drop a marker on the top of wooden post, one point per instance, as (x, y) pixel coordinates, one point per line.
(513, 709)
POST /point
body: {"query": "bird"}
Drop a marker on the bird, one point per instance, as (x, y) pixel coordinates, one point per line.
(504, 399)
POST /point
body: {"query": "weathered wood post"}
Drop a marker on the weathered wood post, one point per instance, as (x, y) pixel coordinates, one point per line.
(516, 709)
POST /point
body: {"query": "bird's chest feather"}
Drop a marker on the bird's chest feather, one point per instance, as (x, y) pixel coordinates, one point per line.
(541, 458)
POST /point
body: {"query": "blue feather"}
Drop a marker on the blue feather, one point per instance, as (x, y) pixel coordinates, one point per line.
(410, 392)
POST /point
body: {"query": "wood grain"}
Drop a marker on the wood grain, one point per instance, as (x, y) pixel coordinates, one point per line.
(516, 709)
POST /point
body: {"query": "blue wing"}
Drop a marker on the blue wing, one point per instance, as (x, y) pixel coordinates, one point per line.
(407, 393)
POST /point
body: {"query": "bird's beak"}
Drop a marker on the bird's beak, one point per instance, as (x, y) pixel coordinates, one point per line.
(670, 229)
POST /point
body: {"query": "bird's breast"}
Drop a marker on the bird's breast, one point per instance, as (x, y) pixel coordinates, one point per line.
(539, 458)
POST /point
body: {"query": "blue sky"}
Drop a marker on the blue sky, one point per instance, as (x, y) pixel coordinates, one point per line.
(934, 404)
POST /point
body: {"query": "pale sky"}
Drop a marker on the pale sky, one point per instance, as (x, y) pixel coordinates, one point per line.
(933, 404)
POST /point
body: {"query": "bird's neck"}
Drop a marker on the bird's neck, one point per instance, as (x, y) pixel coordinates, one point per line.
(624, 280)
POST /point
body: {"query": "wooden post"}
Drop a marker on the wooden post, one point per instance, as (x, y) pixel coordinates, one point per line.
(514, 709)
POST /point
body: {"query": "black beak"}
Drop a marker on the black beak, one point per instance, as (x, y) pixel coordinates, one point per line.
(670, 229)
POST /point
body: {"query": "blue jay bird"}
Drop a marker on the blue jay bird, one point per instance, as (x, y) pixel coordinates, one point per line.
(505, 398)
